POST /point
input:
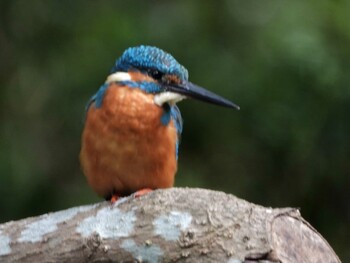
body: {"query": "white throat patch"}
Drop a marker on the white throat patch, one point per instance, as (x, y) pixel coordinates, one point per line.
(118, 76)
(168, 97)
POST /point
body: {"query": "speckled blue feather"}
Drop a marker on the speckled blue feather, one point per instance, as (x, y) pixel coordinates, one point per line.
(176, 116)
(147, 57)
(173, 112)
(149, 87)
(143, 58)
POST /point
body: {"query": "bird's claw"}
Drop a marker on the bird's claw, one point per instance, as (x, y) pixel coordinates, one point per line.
(142, 192)
(114, 198)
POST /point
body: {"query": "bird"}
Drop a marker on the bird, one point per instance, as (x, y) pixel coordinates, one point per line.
(131, 135)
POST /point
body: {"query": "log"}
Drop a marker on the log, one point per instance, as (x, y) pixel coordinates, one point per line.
(172, 225)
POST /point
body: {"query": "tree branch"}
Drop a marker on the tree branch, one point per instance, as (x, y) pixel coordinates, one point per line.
(178, 224)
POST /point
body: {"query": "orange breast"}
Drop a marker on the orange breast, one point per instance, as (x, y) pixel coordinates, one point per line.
(125, 147)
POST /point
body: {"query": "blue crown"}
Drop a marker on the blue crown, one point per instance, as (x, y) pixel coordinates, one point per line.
(147, 57)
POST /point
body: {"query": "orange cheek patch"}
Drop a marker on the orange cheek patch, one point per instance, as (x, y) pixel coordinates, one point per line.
(138, 76)
(173, 79)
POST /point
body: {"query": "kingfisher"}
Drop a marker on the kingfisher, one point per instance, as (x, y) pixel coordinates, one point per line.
(132, 129)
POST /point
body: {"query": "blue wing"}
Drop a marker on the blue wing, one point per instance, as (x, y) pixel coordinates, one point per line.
(97, 97)
(176, 116)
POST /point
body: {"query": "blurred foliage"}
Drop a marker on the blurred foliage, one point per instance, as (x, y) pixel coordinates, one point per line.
(286, 63)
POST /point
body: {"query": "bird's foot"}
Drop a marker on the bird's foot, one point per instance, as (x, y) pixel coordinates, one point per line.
(114, 198)
(142, 192)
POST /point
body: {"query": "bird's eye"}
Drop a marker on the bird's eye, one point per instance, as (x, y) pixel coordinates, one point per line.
(155, 74)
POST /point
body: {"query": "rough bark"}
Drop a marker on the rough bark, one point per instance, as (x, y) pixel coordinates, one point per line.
(174, 225)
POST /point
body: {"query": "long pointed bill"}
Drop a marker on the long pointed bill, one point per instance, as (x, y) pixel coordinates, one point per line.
(193, 91)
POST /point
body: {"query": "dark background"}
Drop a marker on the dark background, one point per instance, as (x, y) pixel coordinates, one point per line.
(286, 63)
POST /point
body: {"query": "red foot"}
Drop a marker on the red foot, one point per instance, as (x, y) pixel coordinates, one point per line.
(114, 198)
(142, 192)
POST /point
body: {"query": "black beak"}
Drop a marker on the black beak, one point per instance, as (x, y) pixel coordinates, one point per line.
(193, 91)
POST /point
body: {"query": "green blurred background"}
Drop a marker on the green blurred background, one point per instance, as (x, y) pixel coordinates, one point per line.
(286, 63)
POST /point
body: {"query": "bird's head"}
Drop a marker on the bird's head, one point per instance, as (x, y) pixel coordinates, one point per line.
(155, 71)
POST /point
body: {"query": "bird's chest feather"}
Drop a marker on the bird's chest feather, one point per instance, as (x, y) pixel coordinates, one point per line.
(128, 118)
(125, 138)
